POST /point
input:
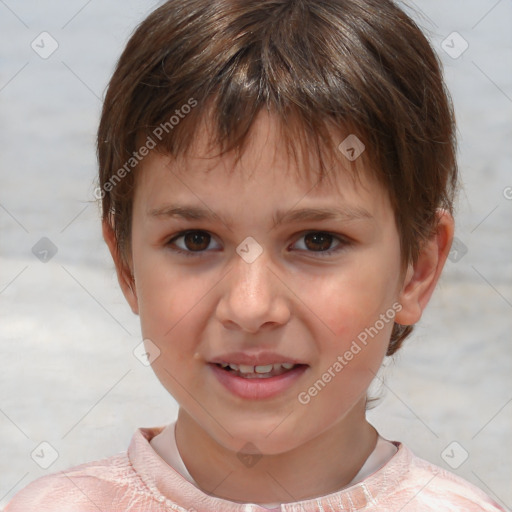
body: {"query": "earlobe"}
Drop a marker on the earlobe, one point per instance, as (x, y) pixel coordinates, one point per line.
(124, 272)
(422, 277)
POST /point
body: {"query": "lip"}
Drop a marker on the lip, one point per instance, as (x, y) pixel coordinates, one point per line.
(257, 389)
(255, 359)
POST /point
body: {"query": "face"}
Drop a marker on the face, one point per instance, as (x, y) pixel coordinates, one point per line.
(229, 286)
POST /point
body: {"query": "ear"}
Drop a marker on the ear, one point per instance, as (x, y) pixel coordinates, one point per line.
(124, 272)
(422, 277)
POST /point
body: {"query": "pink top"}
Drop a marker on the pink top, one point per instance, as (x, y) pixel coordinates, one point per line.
(165, 445)
(141, 480)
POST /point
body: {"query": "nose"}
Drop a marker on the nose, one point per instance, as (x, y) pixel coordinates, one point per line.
(253, 297)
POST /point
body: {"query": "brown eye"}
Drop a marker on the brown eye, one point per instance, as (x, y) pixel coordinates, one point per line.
(191, 243)
(196, 240)
(318, 241)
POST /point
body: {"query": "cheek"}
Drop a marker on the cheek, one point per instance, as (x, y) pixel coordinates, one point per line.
(168, 296)
(346, 303)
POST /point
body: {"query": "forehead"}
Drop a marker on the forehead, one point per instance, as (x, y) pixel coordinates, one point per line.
(264, 174)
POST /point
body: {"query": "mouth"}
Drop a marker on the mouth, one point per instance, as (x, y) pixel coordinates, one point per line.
(260, 382)
(266, 371)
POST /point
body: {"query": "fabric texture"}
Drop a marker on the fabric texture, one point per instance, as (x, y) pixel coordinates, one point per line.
(140, 480)
(165, 445)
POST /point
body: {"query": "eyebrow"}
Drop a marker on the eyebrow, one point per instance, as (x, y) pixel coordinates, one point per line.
(194, 213)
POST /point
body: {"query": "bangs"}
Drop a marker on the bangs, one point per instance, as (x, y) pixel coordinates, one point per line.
(311, 147)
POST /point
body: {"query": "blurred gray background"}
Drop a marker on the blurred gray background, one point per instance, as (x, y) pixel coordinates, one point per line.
(68, 373)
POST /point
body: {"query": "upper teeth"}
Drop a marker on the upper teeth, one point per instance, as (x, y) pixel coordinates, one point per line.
(245, 368)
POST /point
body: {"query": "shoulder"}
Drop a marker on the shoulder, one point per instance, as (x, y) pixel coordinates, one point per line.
(91, 486)
(429, 487)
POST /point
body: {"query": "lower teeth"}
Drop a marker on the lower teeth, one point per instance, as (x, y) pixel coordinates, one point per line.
(254, 375)
(273, 373)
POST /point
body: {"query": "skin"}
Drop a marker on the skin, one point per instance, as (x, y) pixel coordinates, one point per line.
(291, 300)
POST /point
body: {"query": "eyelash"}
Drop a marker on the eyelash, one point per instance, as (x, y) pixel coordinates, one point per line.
(343, 242)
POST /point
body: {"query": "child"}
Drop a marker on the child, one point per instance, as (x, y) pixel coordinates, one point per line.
(309, 145)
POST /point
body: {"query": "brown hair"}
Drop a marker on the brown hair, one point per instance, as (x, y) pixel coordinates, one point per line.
(360, 66)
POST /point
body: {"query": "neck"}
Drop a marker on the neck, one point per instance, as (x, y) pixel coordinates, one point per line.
(323, 465)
